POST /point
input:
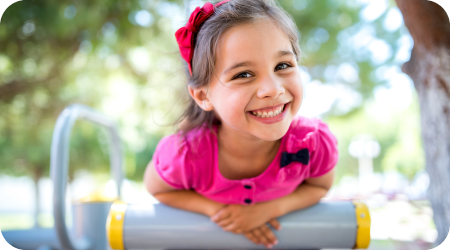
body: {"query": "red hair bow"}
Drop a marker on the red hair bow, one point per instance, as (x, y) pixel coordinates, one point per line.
(185, 35)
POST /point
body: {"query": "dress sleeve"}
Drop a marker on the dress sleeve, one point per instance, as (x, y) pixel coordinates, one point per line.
(325, 157)
(171, 163)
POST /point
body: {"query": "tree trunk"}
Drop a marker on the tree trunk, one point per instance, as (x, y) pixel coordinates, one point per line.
(429, 68)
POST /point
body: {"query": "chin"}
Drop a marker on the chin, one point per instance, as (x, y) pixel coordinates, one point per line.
(273, 135)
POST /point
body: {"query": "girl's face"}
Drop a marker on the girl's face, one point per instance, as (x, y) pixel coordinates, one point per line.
(257, 88)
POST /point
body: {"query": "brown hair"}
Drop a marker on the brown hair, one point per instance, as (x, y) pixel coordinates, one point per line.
(226, 16)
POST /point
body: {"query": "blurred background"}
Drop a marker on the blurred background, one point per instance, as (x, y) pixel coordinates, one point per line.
(121, 58)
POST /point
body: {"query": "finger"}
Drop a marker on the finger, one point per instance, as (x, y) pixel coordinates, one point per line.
(269, 235)
(233, 227)
(251, 237)
(222, 214)
(275, 224)
(261, 236)
(225, 222)
(255, 236)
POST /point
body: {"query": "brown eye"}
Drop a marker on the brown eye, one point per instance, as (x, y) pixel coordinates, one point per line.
(243, 75)
(282, 66)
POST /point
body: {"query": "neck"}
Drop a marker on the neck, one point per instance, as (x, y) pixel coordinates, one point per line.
(234, 142)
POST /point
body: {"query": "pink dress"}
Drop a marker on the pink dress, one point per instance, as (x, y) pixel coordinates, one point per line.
(191, 162)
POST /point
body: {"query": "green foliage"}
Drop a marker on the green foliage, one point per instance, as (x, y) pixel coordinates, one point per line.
(54, 53)
(88, 149)
(397, 131)
(328, 28)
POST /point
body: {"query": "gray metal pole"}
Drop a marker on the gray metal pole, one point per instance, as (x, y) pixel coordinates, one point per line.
(342, 224)
(59, 166)
(32, 238)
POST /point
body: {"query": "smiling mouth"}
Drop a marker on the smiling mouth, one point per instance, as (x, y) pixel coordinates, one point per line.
(268, 113)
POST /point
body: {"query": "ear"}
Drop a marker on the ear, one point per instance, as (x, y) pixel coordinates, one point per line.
(200, 96)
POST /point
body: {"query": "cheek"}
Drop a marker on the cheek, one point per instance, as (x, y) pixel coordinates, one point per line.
(300, 91)
(297, 92)
(231, 103)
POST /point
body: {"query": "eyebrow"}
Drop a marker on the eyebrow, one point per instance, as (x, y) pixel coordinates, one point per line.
(284, 52)
(241, 64)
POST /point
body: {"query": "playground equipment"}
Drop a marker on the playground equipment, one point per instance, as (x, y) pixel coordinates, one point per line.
(101, 224)
(89, 215)
(325, 225)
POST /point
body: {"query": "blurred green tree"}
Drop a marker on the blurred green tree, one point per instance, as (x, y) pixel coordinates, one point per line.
(359, 45)
(59, 52)
(340, 37)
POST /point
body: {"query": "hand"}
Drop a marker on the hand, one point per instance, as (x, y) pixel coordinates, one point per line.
(263, 234)
(238, 218)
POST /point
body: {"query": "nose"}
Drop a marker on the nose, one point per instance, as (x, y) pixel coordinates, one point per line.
(270, 87)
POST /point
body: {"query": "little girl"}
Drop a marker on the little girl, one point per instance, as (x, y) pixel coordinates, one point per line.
(242, 156)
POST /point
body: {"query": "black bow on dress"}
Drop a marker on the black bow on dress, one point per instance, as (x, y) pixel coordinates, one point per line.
(301, 156)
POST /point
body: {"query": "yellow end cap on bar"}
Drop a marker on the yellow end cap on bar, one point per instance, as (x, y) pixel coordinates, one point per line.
(114, 225)
(363, 225)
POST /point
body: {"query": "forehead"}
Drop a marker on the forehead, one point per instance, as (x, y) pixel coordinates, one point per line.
(254, 42)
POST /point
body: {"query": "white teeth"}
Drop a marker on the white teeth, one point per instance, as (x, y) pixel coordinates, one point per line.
(268, 114)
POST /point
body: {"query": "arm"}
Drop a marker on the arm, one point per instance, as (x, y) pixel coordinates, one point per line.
(183, 199)
(191, 201)
(238, 218)
(252, 219)
(307, 194)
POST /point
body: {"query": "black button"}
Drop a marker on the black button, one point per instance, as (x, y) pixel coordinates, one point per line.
(248, 201)
(248, 186)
